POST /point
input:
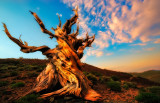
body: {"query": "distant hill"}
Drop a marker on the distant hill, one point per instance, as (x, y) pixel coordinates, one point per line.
(122, 75)
(153, 75)
(93, 69)
(24, 71)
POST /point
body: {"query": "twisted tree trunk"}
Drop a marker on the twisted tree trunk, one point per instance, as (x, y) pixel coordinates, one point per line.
(65, 66)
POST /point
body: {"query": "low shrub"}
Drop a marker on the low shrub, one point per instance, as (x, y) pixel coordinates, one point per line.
(85, 73)
(114, 85)
(12, 67)
(92, 77)
(127, 85)
(115, 78)
(39, 69)
(20, 68)
(96, 74)
(31, 67)
(42, 66)
(13, 73)
(154, 89)
(28, 67)
(3, 83)
(3, 68)
(31, 98)
(18, 84)
(104, 79)
(6, 92)
(13, 82)
(32, 74)
(10, 61)
(147, 97)
(142, 89)
(5, 75)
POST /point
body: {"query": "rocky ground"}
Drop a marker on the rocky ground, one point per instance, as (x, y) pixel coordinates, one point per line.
(16, 78)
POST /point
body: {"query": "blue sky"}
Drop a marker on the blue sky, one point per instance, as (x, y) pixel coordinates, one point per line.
(127, 31)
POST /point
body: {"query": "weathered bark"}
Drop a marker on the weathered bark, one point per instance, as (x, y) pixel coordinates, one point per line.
(65, 65)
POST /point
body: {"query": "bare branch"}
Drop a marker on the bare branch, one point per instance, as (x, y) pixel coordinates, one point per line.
(43, 29)
(77, 31)
(53, 29)
(90, 41)
(65, 65)
(24, 47)
(25, 43)
(20, 39)
(59, 21)
(67, 26)
(87, 43)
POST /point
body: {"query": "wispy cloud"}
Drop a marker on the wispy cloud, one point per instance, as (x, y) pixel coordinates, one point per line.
(108, 54)
(127, 24)
(102, 39)
(140, 44)
(121, 22)
(150, 49)
(157, 41)
(95, 52)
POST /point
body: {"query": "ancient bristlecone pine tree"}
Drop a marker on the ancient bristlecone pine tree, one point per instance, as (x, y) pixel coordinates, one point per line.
(64, 68)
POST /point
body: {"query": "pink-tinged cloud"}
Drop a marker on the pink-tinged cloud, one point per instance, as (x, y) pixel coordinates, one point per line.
(132, 24)
(122, 24)
(96, 52)
(157, 41)
(92, 52)
(102, 38)
(136, 22)
(150, 49)
(108, 54)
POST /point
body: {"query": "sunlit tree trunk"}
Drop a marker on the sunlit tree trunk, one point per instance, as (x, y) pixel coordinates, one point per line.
(65, 66)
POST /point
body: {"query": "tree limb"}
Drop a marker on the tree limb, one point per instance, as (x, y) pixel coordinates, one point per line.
(59, 21)
(77, 31)
(43, 29)
(67, 26)
(24, 47)
(87, 43)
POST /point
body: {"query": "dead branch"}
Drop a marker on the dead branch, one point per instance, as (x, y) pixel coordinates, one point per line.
(24, 47)
(65, 65)
(43, 29)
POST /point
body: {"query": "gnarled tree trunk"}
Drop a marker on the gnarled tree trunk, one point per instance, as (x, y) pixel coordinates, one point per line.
(65, 66)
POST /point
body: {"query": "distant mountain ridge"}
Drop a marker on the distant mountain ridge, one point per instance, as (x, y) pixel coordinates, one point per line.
(153, 75)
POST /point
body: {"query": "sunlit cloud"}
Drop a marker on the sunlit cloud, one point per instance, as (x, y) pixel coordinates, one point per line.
(83, 21)
(121, 27)
(102, 39)
(127, 24)
(150, 49)
(94, 52)
(108, 54)
(122, 24)
(157, 41)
